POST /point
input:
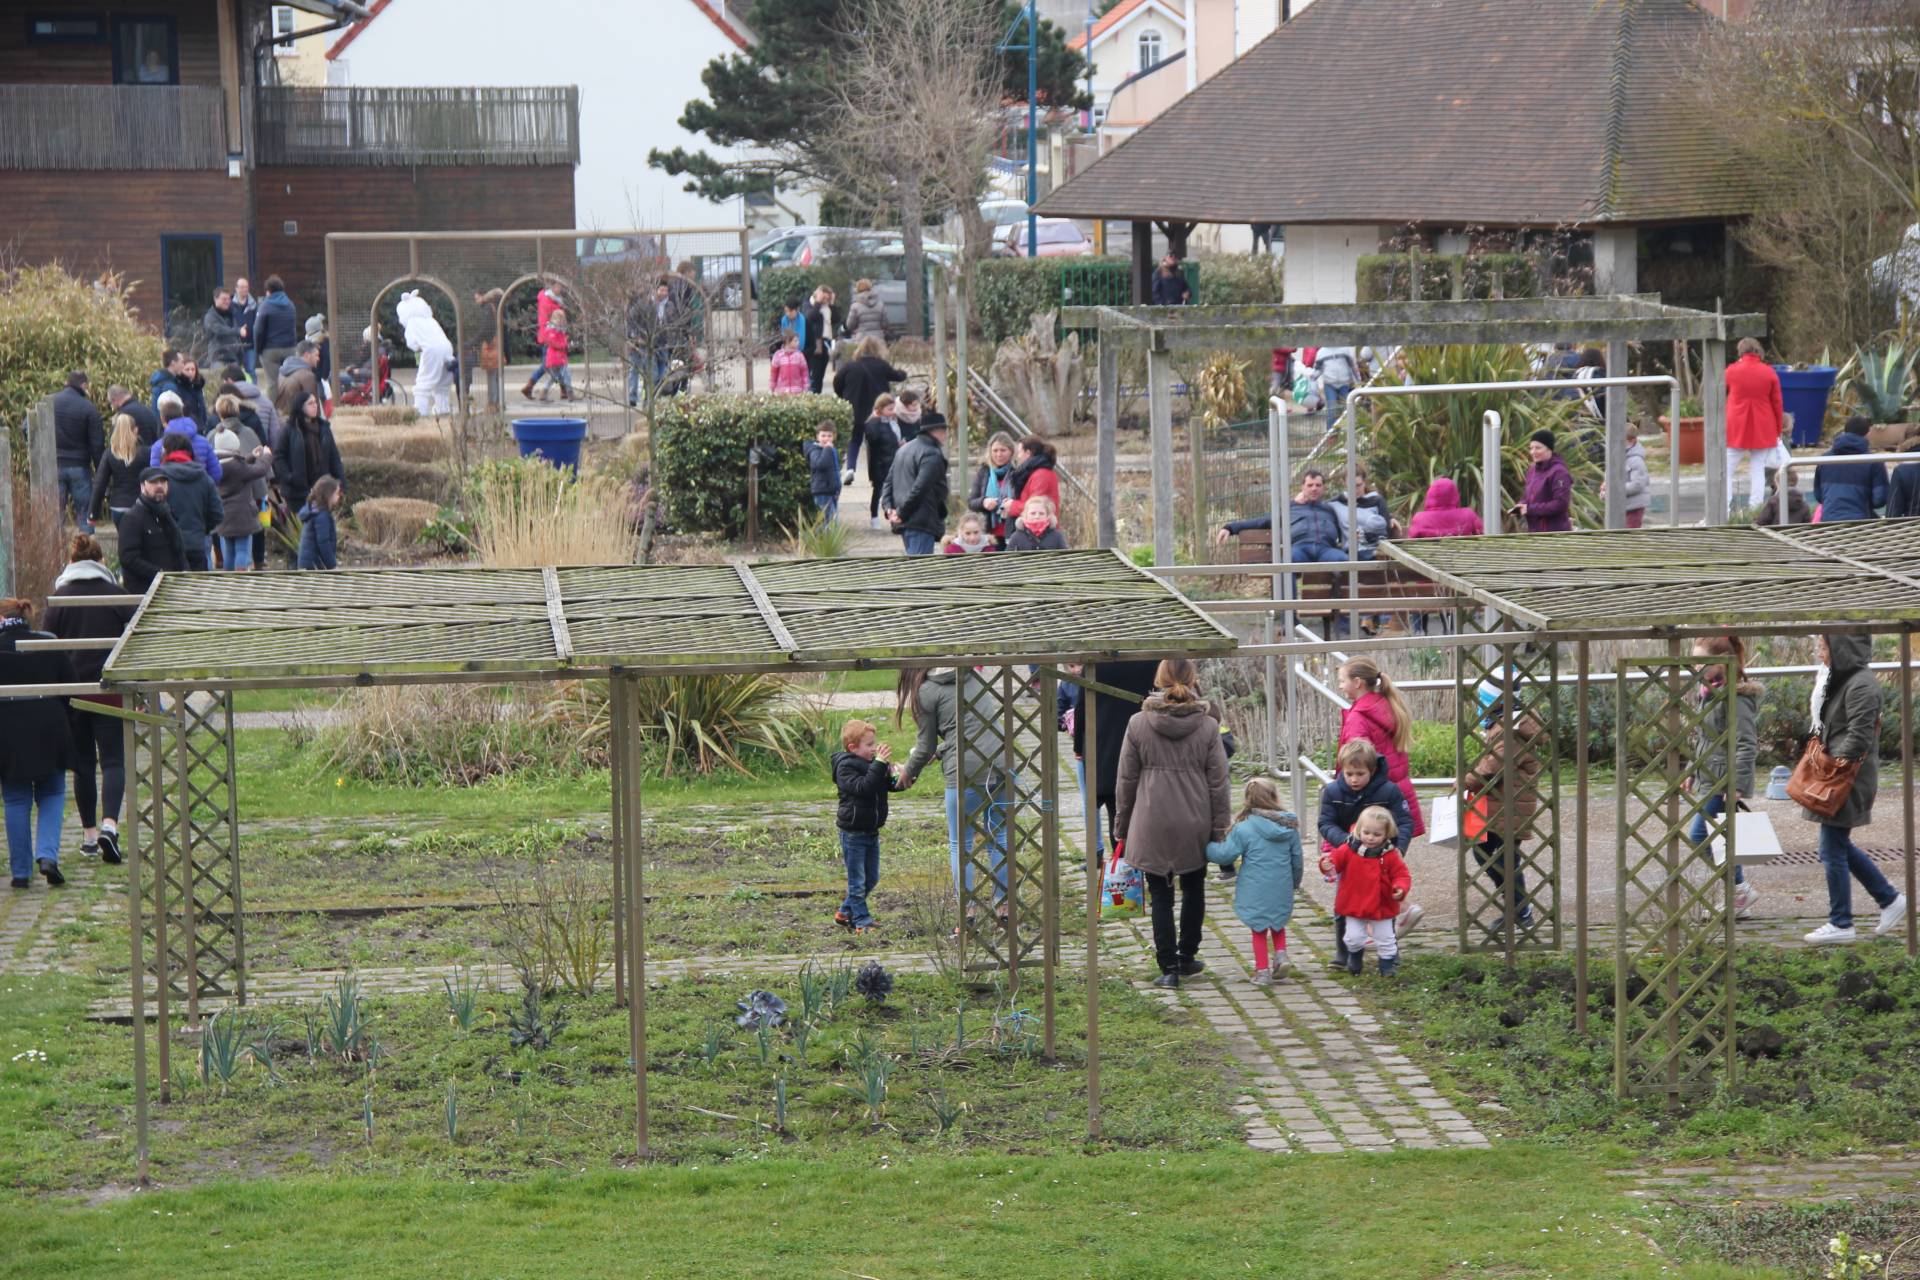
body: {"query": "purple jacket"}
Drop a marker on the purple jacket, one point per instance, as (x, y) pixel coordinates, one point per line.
(1549, 496)
(1443, 516)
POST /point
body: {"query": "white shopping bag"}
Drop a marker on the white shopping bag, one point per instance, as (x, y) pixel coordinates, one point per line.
(1443, 822)
(1754, 839)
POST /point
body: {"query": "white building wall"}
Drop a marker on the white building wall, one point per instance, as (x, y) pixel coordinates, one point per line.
(637, 65)
(1322, 263)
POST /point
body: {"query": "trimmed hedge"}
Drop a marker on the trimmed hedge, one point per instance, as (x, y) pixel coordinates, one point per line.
(1238, 281)
(1007, 292)
(777, 284)
(701, 443)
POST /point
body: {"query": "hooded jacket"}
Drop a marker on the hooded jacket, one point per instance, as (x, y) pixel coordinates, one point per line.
(1034, 478)
(1266, 844)
(1849, 491)
(319, 539)
(1371, 717)
(202, 447)
(1710, 744)
(1442, 516)
(150, 544)
(38, 743)
(1549, 496)
(1171, 796)
(789, 373)
(239, 508)
(1903, 491)
(1341, 807)
(196, 505)
(78, 439)
(1507, 762)
(1850, 726)
(936, 715)
(271, 426)
(1636, 486)
(863, 787)
(87, 578)
(1368, 882)
(866, 316)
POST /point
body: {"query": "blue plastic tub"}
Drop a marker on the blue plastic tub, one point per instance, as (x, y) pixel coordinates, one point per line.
(558, 440)
(1803, 393)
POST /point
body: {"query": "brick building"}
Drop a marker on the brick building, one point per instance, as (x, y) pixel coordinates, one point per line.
(157, 142)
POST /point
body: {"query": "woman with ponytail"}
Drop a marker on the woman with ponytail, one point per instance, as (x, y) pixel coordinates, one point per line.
(35, 750)
(96, 738)
(1380, 715)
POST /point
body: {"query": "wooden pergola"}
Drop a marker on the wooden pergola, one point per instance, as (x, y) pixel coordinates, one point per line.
(197, 637)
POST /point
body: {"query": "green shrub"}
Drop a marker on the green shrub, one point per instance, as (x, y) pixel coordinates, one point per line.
(1239, 281)
(1390, 277)
(702, 444)
(1007, 292)
(51, 323)
(1517, 274)
(777, 284)
(395, 478)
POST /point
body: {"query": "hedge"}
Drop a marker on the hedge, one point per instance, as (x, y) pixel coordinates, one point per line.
(701, 444)
(1238, 281)
(52, 322)
(1007, 292)
(777, 284)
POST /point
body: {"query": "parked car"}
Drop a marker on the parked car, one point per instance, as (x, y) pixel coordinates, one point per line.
(1058, 238)
(887, 268)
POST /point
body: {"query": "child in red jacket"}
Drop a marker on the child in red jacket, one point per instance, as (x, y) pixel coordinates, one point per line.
(554, 336)
(1373, 883)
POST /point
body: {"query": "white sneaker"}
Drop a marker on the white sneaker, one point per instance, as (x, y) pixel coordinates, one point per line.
(1827, 935)
(1408, 920)
(1744, 896)
(1262, 978)
(1280, 963)
(1892, 916)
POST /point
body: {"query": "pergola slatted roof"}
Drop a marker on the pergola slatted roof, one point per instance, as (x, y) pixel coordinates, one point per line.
(1654, 578)
(384, 626)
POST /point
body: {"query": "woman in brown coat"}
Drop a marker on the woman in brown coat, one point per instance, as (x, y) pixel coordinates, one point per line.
(1504, 796)
(1170, 801)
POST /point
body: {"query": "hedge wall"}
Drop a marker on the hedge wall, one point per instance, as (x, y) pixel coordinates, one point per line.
(701, 443)
(1007, 291)
(1389, 277)
(777, 284)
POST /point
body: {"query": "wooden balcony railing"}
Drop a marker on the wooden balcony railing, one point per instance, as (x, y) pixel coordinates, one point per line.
(373, 126)
(111, 127)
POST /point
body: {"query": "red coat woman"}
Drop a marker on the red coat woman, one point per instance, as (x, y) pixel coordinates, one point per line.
(1034, 476)
(1754, 414)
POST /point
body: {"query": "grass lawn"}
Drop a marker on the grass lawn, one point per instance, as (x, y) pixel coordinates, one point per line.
(1829, 1062)
(1516, 1212)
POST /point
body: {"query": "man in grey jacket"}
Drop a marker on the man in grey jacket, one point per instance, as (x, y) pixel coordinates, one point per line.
(915, 494)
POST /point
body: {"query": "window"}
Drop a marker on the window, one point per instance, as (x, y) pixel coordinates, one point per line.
(190, 270)
(145, 51)
(282, 28)
(50, 28)
(1149, 49)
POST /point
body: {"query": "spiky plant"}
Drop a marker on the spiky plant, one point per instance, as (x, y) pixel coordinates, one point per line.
(874, 982)
(1880, 385)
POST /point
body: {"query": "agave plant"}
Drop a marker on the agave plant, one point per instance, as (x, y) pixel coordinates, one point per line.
(1880, 383)
(1408, 441)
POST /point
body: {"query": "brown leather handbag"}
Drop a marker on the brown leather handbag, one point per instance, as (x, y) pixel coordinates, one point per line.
(1821, 782)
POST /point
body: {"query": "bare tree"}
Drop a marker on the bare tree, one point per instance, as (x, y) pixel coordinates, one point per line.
(918, 101)
(1820, 101)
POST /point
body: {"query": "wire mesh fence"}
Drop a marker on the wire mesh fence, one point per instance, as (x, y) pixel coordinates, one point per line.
(642, 313)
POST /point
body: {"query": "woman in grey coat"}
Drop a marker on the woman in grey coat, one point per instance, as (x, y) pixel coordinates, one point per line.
(1846, 717)
(933, 699)
(1171, 802)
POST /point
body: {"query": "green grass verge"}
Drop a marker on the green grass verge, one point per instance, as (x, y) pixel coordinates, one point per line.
(1519, 1212)
(1829, 1039)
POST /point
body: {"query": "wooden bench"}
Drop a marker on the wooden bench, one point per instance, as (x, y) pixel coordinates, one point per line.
(1396, 583)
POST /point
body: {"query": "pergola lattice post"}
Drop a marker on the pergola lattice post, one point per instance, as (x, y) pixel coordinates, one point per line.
(1510, 895)
(1673, 1028)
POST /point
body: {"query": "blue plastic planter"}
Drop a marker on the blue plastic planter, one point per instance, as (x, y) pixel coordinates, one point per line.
(1803, 393)
(558, 440)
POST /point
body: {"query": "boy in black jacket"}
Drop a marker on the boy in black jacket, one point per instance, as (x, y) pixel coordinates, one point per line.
(1359, 781)
(864, 778)
(823, 461)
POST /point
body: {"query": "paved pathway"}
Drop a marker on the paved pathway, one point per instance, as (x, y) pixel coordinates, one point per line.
(1873, 1176)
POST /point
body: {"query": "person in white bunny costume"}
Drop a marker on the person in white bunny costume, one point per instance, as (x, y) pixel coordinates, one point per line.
(433, 385)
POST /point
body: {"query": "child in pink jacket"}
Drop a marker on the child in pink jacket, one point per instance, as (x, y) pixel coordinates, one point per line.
(553, 336)
(1443, 516)
(789, 369)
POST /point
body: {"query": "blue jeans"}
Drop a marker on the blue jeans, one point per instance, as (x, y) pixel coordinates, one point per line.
(1838, 854)
(558, 374)
(1336, 403)
(633, 378)
(828, 505)
(1086, 798)
(860, 850)
(49, 796)
(1714, 807)
(996, 831)
(917, 543)
(76, 486)
(1315, 553)
(249, 360)
(237, 553)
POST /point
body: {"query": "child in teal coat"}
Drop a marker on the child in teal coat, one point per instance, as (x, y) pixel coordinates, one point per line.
(1265, 840)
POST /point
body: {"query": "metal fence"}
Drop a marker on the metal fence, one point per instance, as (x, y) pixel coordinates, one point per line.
(112, 127)
(372, 126)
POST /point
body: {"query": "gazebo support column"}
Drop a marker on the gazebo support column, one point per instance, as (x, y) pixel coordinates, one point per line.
(1616, 428)
(1160, 417)
(1142, 272)
(630, 847)
(1580, 748)
(1105, 447)
(130, 845)
(1089, 799)
(1906, 781)
(1713, 403)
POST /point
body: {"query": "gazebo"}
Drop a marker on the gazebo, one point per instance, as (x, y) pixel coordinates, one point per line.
(197, 637)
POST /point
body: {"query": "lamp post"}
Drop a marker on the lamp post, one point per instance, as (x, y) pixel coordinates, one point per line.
(1030, 16)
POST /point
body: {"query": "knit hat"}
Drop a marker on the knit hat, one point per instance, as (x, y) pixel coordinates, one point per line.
(1545, 437)
(226, 441)
(316, 325)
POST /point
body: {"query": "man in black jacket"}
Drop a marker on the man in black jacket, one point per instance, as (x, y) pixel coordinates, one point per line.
(78, 443)
(145, 420)
(915, 496)
(150, 542)
(863, 778)
(222, 325)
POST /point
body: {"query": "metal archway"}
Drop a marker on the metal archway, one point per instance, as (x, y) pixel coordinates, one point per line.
(459, 331)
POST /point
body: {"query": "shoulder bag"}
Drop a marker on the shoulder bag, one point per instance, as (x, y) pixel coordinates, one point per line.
(1821, 782)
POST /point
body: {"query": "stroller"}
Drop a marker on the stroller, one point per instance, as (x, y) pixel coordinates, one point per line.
(356, 387)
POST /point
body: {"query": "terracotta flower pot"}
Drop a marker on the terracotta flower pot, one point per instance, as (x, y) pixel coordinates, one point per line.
(1693, 439)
